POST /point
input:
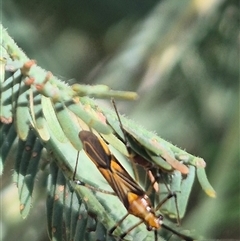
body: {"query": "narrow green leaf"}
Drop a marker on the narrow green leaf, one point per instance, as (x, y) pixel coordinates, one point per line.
(18, 159)
(69, 124)
(74, 214)
(101, 233)
(206, 186)
(67, 211)
(24, 194)
(52, 179)
(58, 208)
(173, 183)
(81, 231)
(6, 100)
(86, 90)
(52, 121)
(161, 163)
(3, 61)
(22, 112)
(89, 116)
(29, 178)
(38, 120)
(7, 137)
(102, 92)
(116, 143)
(17, 77)
(186, 188)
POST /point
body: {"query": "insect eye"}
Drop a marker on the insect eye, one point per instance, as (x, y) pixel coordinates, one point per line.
(149, 228)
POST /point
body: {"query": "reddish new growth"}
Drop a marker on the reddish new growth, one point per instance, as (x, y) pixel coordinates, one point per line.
(5, 120)
(29, 81)
(101, 117)
(200, 163)
(168, 158)
(40, 87)
(27, 66)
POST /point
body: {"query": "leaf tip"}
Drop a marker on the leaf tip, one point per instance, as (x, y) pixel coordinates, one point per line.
(211, 193)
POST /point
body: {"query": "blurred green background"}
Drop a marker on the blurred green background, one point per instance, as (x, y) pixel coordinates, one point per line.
(182, 57)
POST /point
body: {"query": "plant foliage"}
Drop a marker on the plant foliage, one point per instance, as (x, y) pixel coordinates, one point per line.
(43, 112)
(181, 57)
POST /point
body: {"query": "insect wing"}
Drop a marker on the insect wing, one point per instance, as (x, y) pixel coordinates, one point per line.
(117, 177)
(95, 150)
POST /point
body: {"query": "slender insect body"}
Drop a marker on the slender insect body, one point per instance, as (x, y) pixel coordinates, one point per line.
(134, 198)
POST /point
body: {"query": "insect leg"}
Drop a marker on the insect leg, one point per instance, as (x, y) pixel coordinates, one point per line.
(117, 224)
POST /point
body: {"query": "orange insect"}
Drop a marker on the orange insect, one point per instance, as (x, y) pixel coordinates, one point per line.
(129, 192)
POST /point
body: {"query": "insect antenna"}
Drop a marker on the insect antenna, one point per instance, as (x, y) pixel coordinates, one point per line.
(129, 150)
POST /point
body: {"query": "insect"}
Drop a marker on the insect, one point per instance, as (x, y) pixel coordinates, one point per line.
(81, 183)
(155, 172)
(133, 197)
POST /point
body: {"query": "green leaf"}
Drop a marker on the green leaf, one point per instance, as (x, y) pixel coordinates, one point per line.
(7, 137)
(50, 113)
